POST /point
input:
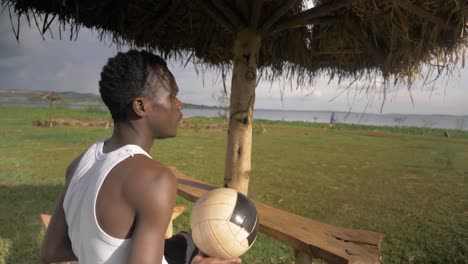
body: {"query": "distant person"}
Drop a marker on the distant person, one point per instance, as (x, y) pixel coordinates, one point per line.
(332, 120)
(118, 201)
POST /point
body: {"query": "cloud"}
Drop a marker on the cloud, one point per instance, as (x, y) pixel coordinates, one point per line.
(51, 64)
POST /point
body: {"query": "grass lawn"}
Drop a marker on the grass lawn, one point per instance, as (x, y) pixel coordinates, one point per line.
(409, 184)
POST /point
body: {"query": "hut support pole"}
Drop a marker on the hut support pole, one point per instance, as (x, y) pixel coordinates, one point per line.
(301, 257)
(244, 77)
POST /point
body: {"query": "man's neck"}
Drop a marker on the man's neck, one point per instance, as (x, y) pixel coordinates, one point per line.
(126, 133)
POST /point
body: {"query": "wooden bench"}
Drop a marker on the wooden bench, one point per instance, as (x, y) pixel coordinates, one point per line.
(309, 238)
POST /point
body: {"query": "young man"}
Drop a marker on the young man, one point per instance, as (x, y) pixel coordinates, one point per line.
(117, 200)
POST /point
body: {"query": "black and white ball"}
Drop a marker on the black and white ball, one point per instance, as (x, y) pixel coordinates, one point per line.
(224, 223)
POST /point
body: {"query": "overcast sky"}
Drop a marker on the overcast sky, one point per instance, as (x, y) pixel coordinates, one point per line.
(64, 65)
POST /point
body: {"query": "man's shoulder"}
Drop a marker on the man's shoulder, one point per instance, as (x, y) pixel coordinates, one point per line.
(145, 173)
(147, 167)
(72, 167)
(148, 181)
(75, 162)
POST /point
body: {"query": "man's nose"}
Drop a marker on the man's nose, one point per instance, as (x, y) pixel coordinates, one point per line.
(180, 105)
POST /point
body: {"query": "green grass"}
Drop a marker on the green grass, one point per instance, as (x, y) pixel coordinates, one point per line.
(408, 185)
(402, 130)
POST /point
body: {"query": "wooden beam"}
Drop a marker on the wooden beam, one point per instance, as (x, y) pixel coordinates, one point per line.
(45, 220)
(229, 13)
(416, 10)
(277, 14)
(313, 21)
(306, 16)
(210, 9)
(256, 13)
(324, 20)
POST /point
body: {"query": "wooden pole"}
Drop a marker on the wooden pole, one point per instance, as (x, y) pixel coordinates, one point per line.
(51, 107)
(244, 76)
(300, 257)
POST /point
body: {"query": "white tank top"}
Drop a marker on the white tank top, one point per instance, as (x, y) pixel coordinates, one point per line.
(90, 243)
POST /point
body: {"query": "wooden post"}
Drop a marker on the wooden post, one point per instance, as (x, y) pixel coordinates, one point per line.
(51, 106)
(244, 77)
(302, 258)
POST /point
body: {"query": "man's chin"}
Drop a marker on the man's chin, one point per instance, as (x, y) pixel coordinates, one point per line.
(168, 135)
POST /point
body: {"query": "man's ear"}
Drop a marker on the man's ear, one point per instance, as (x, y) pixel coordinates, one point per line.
(140, 106)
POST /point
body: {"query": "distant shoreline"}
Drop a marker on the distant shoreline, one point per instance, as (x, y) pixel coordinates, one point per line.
(20, 91)
(89, 99)
(312, 117)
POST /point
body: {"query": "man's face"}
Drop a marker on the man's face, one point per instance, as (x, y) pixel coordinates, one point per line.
(165, 114)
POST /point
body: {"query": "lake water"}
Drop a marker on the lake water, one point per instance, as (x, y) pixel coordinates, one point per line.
(429, 121)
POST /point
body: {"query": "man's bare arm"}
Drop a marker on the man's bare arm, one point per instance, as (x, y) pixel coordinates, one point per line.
(56, 246)
(153, 197)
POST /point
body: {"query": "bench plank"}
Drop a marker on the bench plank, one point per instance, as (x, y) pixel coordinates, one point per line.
(330, 243)
(45, 220)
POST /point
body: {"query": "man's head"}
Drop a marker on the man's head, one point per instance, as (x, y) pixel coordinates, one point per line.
(136, 85)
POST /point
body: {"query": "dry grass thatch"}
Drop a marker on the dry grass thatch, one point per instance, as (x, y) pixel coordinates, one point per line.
(339, 38)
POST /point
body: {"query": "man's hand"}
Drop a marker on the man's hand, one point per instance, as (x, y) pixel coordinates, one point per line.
(203, 259)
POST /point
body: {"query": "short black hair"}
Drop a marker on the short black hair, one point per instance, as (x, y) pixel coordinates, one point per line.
(125, 77)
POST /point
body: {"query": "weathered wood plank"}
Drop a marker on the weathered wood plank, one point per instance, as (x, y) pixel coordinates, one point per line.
(330, 243)
(45, 220)
(178, 210)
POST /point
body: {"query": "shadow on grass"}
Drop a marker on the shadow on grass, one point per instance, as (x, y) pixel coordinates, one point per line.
(20, 225)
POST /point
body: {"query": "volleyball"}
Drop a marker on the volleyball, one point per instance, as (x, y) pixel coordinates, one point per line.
(224, 223)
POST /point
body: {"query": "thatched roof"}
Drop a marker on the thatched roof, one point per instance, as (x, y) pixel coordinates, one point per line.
(342, 38)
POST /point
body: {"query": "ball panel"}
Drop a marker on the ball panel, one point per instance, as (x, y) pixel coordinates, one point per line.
(216, 204)
(245, 243)
(244, 214)
(225, 195)
(235, 229)
(226, 239)
(210, 212)
(253, 234)
(197, 238)
(211, 246)
(242, 235)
